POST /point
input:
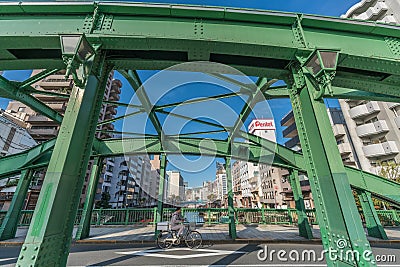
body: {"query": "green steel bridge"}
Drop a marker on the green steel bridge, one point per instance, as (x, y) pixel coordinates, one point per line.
(316, 57)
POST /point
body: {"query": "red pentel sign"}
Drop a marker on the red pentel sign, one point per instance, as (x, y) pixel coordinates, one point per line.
(262, 124)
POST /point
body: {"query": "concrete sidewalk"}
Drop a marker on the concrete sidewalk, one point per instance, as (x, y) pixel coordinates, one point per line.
(214, 234)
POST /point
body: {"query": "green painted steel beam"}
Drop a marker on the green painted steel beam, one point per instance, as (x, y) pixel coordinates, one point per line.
(382, 187)
(197, 100)
(374, 226)
(255, 97)
(49, 236)
(161, 192)
(333, 198)
(8, 228)
(10, 90)
(231, 208)
(249, 45)
(86, 217)
(378, 186)
(41, 75)
(15, 163)
(134, 80)
(302, 219)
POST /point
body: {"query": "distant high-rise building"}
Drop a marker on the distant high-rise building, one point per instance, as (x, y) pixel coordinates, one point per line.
(176, 188)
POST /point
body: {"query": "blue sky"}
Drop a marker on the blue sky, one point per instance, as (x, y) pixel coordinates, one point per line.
(279, 107)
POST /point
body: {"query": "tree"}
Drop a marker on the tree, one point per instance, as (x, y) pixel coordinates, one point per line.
(104, 201)
(390, 170)
(211, 197)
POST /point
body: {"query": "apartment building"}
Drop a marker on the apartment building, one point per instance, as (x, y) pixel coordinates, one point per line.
(13, 137)
(176, 188)
(374, 126)
(42, 128)
(252, 182)
(341, 131)
(127, 182)
(386, 11)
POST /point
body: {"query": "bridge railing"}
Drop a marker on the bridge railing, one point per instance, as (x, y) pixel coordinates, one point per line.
(208, 216)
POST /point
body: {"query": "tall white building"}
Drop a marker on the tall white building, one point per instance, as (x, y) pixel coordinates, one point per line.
(176, 189)
(13, 138)
(374, 126)
(256, 185)
(128, 179)
(387, 11)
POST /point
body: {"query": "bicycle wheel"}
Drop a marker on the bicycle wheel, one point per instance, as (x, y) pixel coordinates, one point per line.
(164, 240)
(193, 239)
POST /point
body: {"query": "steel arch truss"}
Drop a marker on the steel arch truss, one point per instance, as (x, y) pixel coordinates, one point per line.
(134, 36)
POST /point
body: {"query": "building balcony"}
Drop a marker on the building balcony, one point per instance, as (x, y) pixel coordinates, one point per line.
(57, 106)
(295, 141)
(114, 97)
(123, 168)
(338, 130)
(288, 119)
(344, 148)
(108, 184)
(372, 128)
(55, 83)
(43, 132)
(362, 111)
(122, 188)
(290, 131)
(123, 177)
(382, 149)
(34, 119)
(397, 121)
(111, 110)
(121, 198)
(393, 105)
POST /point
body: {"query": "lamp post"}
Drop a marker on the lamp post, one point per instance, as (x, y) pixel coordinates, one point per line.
(76, 51)
(321, 64)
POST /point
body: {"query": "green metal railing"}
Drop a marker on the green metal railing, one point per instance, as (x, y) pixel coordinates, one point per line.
(210, 216)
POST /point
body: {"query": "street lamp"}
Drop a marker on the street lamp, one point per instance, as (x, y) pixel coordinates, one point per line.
(76, 50)
(321, 64)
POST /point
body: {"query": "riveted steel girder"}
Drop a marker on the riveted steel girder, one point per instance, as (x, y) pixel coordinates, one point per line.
(161, 191)
(86, 217)
(148, 36)
(302, 219)
(10, 90)
(9, 225)
(49, 236)
(340, 226)
(374, 226)
(39, 156)
(140, 92)
(231, 208)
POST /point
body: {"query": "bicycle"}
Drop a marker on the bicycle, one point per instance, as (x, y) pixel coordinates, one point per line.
(167, 237)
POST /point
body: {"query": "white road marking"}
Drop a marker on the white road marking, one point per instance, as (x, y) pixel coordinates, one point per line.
(156, 253)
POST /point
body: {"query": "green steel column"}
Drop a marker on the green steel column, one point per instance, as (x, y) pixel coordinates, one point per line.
(374, 226)
(49, 236)
(231, 209)
(84, 225)
(302, 220)
(339, 221)
(160, 208)
(10, 223)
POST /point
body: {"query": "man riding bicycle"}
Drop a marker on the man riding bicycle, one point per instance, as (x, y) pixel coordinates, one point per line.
(177, 220)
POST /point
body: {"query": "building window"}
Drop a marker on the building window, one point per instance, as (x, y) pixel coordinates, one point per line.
(21, 109)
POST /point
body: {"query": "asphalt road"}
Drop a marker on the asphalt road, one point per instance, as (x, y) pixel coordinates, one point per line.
(215, 255)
